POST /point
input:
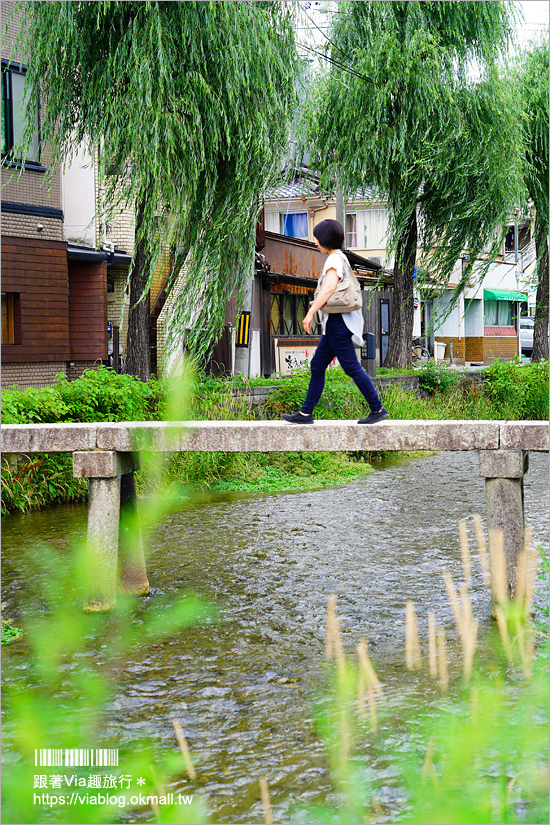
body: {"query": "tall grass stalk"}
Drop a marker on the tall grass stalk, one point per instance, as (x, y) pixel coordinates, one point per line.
(477, 755)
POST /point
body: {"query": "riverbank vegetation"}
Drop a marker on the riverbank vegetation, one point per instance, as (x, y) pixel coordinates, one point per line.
(506, 390)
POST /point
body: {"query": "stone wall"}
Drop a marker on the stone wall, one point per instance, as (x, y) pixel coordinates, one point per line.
(411, 383)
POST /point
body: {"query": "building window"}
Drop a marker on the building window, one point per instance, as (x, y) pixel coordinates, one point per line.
(288, 311)
(294, 225)
(499, 314)
(351, 231)
(10, 304)
(14, 116)
(524, 237)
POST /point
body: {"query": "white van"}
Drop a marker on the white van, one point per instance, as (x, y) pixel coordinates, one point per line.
(526, 334)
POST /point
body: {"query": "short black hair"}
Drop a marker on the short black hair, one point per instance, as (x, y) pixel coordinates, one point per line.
(330, 234)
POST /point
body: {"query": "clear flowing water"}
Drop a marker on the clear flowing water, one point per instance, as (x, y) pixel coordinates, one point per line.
(244, 687)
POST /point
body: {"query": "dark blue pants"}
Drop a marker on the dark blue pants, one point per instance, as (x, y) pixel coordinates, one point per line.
(336, 342)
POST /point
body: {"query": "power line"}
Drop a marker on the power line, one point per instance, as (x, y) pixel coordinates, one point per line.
(335, 62)
(324, 35)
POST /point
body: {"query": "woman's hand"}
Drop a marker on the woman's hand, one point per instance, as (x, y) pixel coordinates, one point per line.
(307, 322)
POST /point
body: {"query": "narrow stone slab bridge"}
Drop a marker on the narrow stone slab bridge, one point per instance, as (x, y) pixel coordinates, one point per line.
(108, 454)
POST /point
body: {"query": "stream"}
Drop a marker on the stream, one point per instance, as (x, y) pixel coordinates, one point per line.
(245, 685)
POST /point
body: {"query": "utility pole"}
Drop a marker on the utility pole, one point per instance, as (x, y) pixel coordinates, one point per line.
(341, 208)
(518, 278)
(243, 331)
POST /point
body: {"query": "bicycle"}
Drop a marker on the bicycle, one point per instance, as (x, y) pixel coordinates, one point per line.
(419, 354)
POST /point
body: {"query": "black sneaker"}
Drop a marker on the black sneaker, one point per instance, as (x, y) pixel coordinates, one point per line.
(297, 418)
(375, 417)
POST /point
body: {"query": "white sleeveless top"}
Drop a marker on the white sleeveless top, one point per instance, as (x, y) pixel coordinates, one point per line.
(353, 320)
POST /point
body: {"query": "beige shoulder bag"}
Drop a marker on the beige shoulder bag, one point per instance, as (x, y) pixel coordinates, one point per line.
(347, 295)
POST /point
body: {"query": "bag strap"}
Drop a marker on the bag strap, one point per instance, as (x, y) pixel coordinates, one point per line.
(347, 267)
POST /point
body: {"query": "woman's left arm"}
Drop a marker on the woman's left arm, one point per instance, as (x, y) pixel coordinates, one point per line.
(329, 285)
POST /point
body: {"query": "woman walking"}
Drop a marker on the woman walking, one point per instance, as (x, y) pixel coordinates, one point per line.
(341, 331)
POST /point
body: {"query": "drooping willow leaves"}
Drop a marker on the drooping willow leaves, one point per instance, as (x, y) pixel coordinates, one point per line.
(529, 78)
(434, 131)
(189, 104)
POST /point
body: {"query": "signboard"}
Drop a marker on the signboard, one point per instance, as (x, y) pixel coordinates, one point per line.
(294, 357)
(243, 330)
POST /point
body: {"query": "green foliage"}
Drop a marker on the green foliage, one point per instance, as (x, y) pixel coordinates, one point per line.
(9, 632)
(530, 76)
(98, 395)
(422, 133)
(195, 98)
(412, 125)
(102, 395)
(32, 406)
(521, 389)
(265, 472)
(39, 480)
(437, 377)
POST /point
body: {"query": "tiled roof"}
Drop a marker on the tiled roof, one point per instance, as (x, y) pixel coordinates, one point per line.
(305, 187)
(297, 189)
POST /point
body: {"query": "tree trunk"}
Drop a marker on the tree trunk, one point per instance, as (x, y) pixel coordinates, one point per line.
(138, 356)
(540, 332)
(402, 315)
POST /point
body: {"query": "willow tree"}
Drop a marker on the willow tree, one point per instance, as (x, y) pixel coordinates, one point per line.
(532, 81)
(401, 111)
(190, 103)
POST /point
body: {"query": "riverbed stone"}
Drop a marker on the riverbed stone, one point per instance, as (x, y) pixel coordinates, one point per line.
(102, 544)
(503, 463)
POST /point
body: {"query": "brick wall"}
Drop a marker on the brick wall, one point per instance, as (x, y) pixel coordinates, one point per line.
(27, 186)
(41, 375)
(459, 348)
(79, 367)
(474, 349)
(25, 226)
(483, 349)
(504, 347)
(116, 226)
(37, 375)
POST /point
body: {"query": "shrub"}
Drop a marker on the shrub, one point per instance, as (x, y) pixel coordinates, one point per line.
(521, 390)
(437, 377)
(98, 395)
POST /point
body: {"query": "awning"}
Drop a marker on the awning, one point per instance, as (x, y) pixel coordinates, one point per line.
(503, 295)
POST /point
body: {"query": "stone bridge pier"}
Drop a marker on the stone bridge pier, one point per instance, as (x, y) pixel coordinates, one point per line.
(503, 471)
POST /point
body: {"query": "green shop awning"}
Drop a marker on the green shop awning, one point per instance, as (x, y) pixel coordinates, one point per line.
(503, 295)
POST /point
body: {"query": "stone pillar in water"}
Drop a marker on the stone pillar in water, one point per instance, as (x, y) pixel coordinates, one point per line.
(112, 519)
(503, 471)
(102, 549)
(132, 569)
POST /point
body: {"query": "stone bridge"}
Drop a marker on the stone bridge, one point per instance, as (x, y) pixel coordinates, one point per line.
(107, 454)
